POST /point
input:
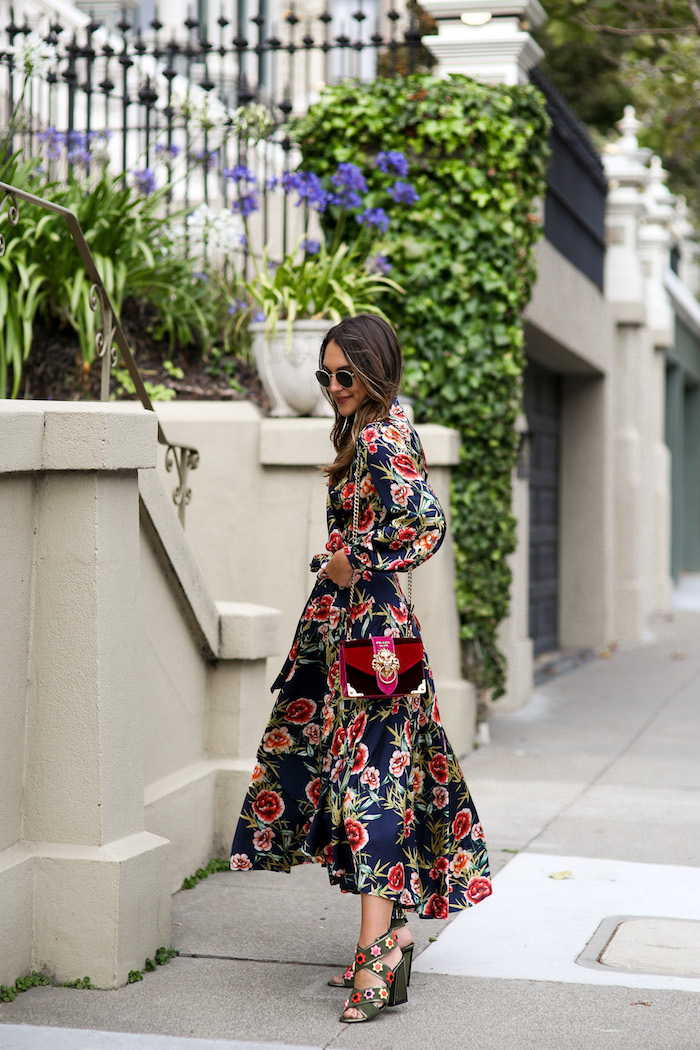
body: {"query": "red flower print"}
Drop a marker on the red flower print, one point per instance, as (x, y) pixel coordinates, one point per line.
(370, 777)
(268, 806)
(328, 854)
(395, 706)
(323, 608)
(312, 733)
(369, 436)
(300, 711)
(422, 718)
(393, 435)
(327, 761)
(293, 651)
(443, 865)
(408, 819)
(435, 713)
(313, 791)
(400, 494)
(478, 833)
(361, 609)
(478, 887)
(406, 534)
(361, 756)
(346, 494)
(333, 675)
(406, 899)
(427, 541)
(357, 728)
(404, 465)
(437, 907)
(258, 773)
(416, 780)
(438, 769)
(398, 762)
(309, 610)
(262, 840)
(440, 797)
(337, 769)
(356, 834)
(240, 862)
(338, 741)
(277, 740)
(407, 732)
(415, 883)
(395, 878)
(461, 824)
(400, 614)
(367, 488)
(462, 858)
(366, 520)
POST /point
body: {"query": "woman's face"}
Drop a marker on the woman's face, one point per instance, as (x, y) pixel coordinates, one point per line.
(347, 399)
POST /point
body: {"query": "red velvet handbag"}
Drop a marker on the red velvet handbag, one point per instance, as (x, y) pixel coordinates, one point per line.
(380, 667)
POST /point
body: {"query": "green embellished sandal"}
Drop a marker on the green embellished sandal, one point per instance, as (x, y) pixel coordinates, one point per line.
(369, 1002)
(348, 978)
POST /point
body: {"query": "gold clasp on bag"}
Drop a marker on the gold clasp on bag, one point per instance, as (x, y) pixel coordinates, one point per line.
(386, 664)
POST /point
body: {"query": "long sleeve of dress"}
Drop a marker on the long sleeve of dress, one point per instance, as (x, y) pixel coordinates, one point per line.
(401, 522)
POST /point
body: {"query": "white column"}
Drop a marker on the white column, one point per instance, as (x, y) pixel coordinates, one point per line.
(489, 41)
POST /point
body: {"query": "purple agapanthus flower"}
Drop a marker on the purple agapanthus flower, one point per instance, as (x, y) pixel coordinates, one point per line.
(350, 177)
(290, 181)
(208, 158)
(391, 161)
(376, 217)
(311, 191)
(272, 182)
(403, 193)
(53, 142)
(246, 204)
(239, 173)
(379, 264)
(170, 149)
(259, 316)
(144, 181)
(310, 246)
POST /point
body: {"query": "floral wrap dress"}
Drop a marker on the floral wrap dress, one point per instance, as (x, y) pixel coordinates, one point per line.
(369, 788)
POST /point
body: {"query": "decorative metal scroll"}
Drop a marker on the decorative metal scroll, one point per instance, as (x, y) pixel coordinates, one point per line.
(184, 460)
(104, 340)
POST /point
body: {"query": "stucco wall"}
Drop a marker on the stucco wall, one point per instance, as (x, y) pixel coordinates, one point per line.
(122, 761)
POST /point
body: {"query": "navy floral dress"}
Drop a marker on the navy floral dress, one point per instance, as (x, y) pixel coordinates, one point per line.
(369, 788)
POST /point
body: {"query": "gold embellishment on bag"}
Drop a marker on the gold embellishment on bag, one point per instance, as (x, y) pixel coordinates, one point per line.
(386, 664)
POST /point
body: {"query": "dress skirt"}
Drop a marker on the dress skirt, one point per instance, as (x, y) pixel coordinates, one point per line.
(369, 788)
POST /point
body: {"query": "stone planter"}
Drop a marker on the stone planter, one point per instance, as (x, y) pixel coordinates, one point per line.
(288, 371)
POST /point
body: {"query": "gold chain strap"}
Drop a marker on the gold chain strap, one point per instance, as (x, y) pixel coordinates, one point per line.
(355, 532)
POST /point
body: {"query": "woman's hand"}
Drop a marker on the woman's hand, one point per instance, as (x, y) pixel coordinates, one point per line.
(339, 569)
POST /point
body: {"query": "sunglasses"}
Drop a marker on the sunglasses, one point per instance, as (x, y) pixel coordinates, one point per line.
(344, 376)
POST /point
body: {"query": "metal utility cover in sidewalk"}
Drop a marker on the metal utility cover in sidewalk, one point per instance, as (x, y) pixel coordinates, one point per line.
(649, 945)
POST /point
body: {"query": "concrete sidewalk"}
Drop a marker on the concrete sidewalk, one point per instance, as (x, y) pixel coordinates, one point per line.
(590, 797)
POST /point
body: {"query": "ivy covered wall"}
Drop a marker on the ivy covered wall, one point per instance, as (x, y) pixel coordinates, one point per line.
(464, 255)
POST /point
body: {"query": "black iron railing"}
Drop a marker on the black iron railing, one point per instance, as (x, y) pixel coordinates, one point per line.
(574, 211)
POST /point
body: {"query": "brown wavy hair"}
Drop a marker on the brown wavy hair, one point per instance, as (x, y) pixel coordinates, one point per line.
(373, 352)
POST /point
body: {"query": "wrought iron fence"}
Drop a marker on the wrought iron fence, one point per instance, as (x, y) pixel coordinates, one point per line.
(187, 104)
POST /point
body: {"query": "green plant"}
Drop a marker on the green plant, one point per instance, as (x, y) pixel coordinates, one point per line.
(464, 255)
(80, 982)
(8, 992)
(156, 391)
(329, 277)
(214, 865)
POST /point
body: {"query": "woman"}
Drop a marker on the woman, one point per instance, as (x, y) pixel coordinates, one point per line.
(370, 788)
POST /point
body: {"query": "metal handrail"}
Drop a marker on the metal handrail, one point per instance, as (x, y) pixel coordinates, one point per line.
(182, 457)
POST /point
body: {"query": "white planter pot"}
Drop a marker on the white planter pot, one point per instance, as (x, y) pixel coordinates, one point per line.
(288, 371)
